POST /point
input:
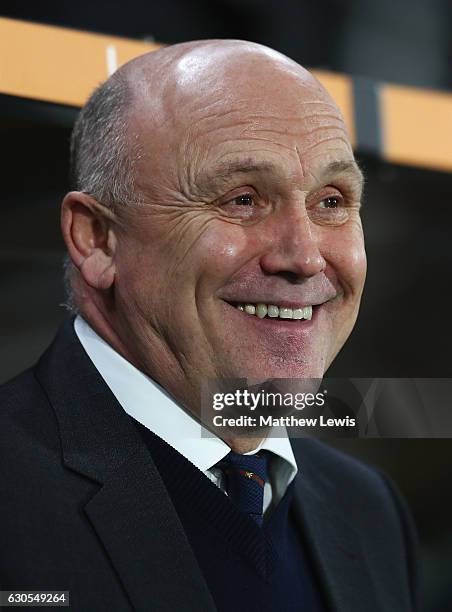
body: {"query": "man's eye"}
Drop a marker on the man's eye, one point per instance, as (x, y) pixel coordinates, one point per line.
(331, 202)
(245, 199)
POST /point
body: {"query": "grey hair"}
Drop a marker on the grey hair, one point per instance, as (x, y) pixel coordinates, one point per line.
(104, 153)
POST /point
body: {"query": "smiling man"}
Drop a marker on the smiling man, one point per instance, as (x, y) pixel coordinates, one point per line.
(214, 233)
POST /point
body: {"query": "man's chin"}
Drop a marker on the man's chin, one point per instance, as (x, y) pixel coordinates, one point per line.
(277, 367)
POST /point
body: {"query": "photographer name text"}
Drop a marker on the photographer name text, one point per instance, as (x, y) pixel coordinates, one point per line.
(285, 421)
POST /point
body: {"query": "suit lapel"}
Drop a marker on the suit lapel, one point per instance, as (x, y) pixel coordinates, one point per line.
(334, 545)
(141, 532)
(131, 513)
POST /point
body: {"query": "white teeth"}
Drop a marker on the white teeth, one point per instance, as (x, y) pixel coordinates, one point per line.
(285, 313)
(297, 313)
(307, 312)
(272, 311)
(261, 310)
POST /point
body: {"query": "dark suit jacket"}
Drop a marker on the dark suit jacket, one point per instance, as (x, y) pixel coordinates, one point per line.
(83, 508)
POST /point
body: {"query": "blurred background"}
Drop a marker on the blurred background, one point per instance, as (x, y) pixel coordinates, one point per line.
(404, 326)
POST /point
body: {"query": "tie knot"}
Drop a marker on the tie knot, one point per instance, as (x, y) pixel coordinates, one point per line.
(253, 467)
(245, 477)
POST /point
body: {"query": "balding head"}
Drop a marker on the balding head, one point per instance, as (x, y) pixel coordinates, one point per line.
(206, 68)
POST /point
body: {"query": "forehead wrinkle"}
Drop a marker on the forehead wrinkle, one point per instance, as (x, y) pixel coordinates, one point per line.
(324, 102)
(306, 135)
(307, 131)
(193, 140)
(257, 121)
(311, 130)
(213, 110)
(313, 145)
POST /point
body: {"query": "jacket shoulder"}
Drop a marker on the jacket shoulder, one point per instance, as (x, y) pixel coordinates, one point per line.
(369, 500)
(28, 424)
(362, 494)
(325, 462)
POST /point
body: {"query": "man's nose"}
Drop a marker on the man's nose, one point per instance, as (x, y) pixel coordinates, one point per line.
(293, 246)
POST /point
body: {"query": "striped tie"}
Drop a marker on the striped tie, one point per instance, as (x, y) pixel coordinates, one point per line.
(245, 477)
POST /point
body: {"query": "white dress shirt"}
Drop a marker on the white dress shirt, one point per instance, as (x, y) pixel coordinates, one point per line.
(147, 402)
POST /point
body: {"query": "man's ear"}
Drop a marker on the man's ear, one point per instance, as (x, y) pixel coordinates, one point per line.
(90, 238)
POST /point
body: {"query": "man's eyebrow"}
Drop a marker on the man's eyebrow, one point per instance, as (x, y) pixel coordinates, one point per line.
(344, 167)
(239, 166)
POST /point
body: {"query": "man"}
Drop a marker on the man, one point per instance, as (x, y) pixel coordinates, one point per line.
(217, 198)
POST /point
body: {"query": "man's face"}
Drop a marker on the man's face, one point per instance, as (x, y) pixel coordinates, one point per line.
(252, 197)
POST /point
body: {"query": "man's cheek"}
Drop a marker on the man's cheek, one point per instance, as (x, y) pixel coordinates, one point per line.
(175, 252)
(349, 257)
(357, 263)
(224, 247)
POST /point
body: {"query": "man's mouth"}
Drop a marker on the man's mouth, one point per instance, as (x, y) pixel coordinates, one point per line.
(275, 311)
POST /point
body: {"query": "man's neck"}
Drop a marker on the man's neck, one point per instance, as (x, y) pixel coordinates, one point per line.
(243, 445)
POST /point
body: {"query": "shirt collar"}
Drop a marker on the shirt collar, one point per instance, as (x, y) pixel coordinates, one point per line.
(147, 402)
